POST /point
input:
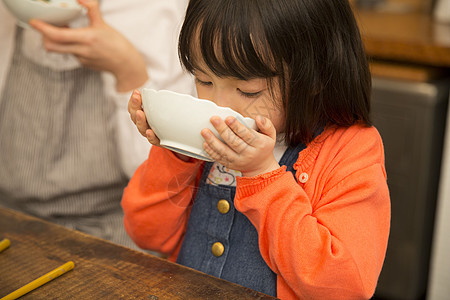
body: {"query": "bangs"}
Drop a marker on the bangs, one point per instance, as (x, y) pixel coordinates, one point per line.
(227, 37)
(313, 48)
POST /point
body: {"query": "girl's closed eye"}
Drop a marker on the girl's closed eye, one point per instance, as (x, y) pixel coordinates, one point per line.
(203, 82)
(250, 94)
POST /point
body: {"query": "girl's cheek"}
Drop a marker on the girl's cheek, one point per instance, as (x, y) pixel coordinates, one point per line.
(206, 93)
(261, 107)
(202, 94)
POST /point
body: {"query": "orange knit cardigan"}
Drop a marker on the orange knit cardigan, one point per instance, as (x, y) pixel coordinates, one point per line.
(324, 235)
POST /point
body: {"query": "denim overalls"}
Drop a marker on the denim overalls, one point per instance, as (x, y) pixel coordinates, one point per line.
(225, 243)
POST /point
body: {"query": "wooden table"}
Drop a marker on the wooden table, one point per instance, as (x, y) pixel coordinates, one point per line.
(103, 270)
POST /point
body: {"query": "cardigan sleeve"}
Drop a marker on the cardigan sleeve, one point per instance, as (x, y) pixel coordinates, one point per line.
(326, 238)
(157, 201)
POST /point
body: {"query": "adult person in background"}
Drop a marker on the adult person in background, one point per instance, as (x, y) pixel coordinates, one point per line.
(67, 145)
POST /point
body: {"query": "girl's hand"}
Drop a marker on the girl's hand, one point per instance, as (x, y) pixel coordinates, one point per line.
(245, 149)
(98, 46)
(137, 115)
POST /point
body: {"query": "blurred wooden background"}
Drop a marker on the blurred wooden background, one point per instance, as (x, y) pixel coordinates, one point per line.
(423, 6)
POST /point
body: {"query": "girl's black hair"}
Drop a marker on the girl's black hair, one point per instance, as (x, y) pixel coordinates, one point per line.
(313, 46)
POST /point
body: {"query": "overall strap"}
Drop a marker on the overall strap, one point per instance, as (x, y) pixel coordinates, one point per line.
(290, 156)
(239, 260)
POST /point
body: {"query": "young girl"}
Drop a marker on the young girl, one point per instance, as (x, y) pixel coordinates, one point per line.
(299, 208)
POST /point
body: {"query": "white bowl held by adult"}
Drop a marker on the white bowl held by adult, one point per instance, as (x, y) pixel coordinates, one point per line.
(55, 12)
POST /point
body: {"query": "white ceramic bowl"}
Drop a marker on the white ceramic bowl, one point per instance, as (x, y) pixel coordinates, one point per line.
(178, 119)
(56, 12)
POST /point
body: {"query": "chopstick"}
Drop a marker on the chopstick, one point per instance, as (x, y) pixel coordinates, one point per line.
(4, 244)
(40, 281)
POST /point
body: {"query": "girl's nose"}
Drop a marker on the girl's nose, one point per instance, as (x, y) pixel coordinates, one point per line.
(222, 99)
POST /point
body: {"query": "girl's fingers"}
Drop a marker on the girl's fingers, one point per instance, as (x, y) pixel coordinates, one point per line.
(246, 134)
(211, 152)
(141, 122)
(134, 104)
(215, 147)
(225, 156)
(137, 115)
(231, 138)
(266, 127)
(151, 137)
(136, 99)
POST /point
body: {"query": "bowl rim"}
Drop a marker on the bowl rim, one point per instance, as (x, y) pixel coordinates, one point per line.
(196, 99)
(72, 6)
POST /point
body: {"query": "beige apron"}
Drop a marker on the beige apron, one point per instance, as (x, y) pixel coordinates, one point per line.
(58, 156)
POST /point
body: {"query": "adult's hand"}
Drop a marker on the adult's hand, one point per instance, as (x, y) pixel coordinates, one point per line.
(98, 46)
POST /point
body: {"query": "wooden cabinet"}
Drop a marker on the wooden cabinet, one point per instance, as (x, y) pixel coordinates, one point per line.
(410, 117)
